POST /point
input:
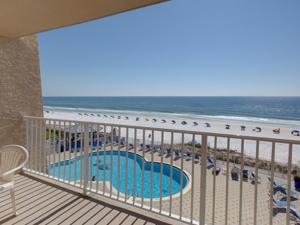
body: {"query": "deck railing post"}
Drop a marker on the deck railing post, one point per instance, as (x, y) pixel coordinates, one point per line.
(85, 157)
(203, 179)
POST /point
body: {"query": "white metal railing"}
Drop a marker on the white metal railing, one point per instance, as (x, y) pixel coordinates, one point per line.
(189, 176)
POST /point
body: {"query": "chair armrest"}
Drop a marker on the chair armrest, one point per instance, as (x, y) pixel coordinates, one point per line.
(11, 172)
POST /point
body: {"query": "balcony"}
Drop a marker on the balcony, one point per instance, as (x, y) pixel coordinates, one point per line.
(158, 174)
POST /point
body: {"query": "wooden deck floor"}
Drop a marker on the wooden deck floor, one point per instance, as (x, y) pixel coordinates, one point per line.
(39, 202)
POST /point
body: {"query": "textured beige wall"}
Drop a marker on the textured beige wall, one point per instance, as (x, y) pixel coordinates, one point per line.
(20, 87)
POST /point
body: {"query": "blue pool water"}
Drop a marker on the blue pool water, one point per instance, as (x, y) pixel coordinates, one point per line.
(54, 169)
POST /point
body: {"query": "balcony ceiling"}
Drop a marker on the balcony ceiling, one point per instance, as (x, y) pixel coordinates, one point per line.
(24, 17)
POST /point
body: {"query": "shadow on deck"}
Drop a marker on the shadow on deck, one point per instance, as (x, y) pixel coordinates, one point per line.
(41, 202)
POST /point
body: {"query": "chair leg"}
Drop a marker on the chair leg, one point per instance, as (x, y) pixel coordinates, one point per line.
(13, 200)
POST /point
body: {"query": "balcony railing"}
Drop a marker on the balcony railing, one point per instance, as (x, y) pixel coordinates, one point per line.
(194, 177)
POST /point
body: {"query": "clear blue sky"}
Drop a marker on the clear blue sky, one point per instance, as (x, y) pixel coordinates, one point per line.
(182, 47)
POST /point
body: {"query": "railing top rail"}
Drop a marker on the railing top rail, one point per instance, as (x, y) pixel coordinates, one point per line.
(186, 131)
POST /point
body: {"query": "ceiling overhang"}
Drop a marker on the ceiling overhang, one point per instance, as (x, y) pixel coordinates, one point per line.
(24, 17)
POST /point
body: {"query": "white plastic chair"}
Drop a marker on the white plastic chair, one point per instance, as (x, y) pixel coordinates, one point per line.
(12, 160)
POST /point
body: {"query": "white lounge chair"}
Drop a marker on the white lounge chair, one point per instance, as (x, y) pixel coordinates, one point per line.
(12, 160)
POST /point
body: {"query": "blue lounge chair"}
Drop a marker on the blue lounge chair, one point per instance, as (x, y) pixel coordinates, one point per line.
(131, 145)
(280, 203)
(277, 183)
(168, 151)
(197, 157)
(188, 154)
(285, 191)
(177, 154)
(210, 162)
(295, 215)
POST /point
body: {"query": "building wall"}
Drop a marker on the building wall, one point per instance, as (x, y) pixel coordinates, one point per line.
(20, 87)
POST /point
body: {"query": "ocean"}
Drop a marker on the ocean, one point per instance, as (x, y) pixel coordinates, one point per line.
(274, 110)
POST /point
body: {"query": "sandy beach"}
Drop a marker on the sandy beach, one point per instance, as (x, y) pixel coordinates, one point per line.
(216, 126)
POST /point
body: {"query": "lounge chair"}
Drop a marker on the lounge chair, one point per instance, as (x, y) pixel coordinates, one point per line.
(188, 154)
(207, 125)
(218, 171)
(295, 133)
(295, 215)
(227, 126)
(276, 131)
(183, 122)
(178, 154)
(243, 128)
(163, 121)
(253, 178)
(195, 123)
(168, 151)
(245, 174)
(280, 203)
(12, 159)
(284, 191)
(197, 157)
(235, 173)
(173, 121)
(277, 183)
(210, 162)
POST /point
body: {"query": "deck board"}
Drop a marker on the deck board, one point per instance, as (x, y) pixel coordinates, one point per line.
(41, 203)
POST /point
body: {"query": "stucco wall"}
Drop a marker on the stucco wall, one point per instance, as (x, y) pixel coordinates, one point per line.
(20, 87)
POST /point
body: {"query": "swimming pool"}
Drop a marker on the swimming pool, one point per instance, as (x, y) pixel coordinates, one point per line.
(176, 173)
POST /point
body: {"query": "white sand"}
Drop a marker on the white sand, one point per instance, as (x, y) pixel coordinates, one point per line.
(217, 127)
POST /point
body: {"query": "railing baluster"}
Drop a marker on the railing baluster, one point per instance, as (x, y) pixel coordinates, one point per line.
(64, 149)
(192, 181)
(214, 180)
(27, 140)
(271, 183)
(143, 166)
(75, 153)
(36, 147)
(32, 146)
(241, 182)
(181, 174)
(69, 158)
(288, 208)
(48, 148)
(104, 159)
(161, 170)
(256, 181)
(59, 141)
(151, 178)
(86, 159)
(45, 149)
(134, 169)
(81, 148)
(111, 161)
(171, 174)
(119, 156)
(97, 162)
(227, 182)
(54, 151)
(126, 172)
(203, 179)
(41, 150)
(91, 147)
